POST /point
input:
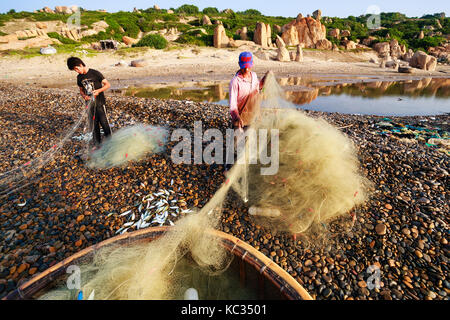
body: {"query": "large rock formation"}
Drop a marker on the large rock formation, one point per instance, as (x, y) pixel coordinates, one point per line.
(206, 21)
(307, 31)
(221, 39)
(421, 60)
(368, 41)
(382, 48)
(260, 36)
(396, 50)
(334, 33)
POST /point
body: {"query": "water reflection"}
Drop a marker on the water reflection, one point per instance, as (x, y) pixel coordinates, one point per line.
(427, 96)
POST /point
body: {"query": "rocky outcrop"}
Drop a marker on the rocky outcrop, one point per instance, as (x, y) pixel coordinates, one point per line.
(408, 55)
(421, 35)
(206, 21)
(242, 33)
(317, 14)
(283, 54)
(129, 41)
(396, 50)
(269, 35)
(48, 10)
(260, 36)
(423, 61)
(276, 28)
(221, 39)
(156, 7)
(307, 31)
(382, 48)
(349, 45)
(334, 33)
(170, 11)
(345, 33)
(324, 44)
(368, 41)
(299, 55)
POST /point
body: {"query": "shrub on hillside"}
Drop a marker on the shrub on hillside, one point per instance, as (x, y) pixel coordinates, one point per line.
(156, 41)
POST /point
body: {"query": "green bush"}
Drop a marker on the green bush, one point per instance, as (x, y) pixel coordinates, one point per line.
(210, 11)
(250, 12)
(156, 41)
(204, 40)
(188, 9)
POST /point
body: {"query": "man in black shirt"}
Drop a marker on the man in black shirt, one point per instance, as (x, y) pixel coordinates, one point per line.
(92, 83)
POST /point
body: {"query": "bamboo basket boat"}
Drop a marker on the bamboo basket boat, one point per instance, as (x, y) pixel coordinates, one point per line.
(255, 270)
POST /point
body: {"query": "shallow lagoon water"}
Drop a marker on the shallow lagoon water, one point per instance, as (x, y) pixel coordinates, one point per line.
(367, 96)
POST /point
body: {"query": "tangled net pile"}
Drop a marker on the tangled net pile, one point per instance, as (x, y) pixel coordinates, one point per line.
(318, 181)
(129, 144)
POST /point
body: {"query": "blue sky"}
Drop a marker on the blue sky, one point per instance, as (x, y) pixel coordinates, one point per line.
(286, 8)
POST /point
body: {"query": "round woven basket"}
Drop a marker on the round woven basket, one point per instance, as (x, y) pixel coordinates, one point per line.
(255, 269)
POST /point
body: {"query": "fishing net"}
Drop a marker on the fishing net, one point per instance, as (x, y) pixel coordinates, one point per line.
(129, 144)
(317, 181)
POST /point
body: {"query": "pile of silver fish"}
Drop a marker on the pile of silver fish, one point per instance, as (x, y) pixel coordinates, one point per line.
(154, 209)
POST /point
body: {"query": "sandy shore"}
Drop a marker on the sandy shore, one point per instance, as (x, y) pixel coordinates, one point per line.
(192, 64)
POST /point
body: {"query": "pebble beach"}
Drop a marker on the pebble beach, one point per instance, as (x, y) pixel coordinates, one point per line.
(402, 230)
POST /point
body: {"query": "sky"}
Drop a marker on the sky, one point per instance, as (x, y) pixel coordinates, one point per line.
(285, 8)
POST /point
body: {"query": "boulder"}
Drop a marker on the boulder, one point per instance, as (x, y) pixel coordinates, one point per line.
(283, 54)
(421, 35)
(269, 35)
(408, 55)
(88, 33)
(307, 31)
(292, 55)
(220, 37)
(421, 60)
(299, 55)
(345, 33)
(299, 17)
(243, 33)
(128, 40)
(438, 23)
(280, 42)
(74, 9)
(368, 41)
(382, 48)
(334, 33)
(170, 11)
(349, 45)
(58, 9)
(138, 63)
(260, 36)
(21, 34)
(156, 7)
(391, 64)
(41, 25)
(324, 44)
(335, 47)
(206, 21)
(395, 49)
(277, 28)
(48, 10)
(317, 14)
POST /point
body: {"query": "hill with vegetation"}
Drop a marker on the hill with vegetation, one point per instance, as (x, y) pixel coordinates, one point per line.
(187, 19)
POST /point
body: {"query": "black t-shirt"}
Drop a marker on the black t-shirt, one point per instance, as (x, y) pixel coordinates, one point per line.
(92, 78)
